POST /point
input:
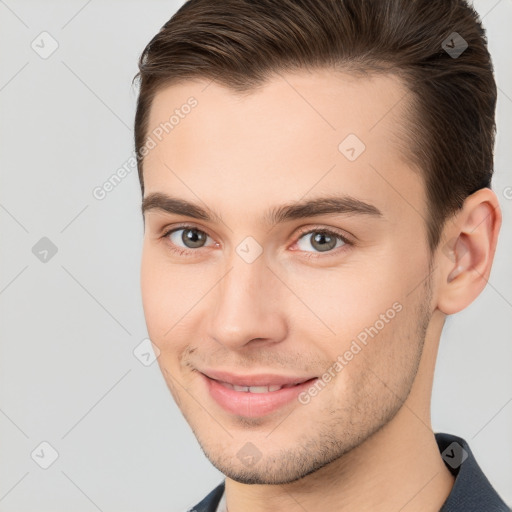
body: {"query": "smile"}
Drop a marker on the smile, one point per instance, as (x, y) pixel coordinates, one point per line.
(254, 396)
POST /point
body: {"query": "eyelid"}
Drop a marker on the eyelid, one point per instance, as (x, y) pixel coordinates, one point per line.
(348, 239)
(168, 230)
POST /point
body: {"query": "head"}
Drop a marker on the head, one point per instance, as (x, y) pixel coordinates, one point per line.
(316, 197)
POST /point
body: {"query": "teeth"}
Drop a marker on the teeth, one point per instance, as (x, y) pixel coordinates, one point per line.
(253, 389)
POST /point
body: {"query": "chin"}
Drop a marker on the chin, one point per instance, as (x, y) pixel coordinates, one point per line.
(285, 466)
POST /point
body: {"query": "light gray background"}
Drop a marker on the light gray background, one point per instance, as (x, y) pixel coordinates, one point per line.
(69, 326)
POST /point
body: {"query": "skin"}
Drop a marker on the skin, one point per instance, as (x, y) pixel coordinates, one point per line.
(365, 442)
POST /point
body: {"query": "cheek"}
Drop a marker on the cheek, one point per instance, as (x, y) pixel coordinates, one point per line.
(153, 300)
(158, 295)
(162, 304)
(171, 297)
(344, 301)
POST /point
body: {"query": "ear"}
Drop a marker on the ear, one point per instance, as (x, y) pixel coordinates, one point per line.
(465, 260)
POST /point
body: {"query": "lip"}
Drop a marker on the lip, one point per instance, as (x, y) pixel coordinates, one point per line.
(254, 405)
(261, 379)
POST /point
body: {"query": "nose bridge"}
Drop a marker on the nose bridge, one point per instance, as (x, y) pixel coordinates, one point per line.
(245, 304)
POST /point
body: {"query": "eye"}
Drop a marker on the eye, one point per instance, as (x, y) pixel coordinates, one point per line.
(185, 238)
(322, 240)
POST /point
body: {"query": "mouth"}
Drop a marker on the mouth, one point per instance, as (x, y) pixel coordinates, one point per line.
(259, 389)
(254, 395)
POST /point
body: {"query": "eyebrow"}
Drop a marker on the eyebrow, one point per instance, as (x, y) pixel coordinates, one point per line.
(329, 205)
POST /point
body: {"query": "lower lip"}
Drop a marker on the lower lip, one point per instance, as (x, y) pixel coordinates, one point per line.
(253, 405)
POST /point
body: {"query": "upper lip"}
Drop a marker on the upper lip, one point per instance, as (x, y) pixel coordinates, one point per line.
(261, 379)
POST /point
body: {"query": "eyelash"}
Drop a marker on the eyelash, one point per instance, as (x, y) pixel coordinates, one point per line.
(346, 242)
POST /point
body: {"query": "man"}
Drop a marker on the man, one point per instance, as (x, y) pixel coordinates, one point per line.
(315, 179)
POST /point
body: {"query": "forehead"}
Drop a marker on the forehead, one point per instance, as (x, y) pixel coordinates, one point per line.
(300, 133)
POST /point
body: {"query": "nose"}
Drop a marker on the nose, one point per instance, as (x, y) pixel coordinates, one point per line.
(249, 306)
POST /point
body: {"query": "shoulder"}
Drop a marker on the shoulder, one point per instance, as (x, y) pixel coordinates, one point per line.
(472, 491)
(210, 502)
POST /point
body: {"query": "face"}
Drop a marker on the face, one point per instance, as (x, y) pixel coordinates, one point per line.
(283, 268)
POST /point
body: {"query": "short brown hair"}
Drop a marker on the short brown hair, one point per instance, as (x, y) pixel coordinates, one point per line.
(241, 43)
